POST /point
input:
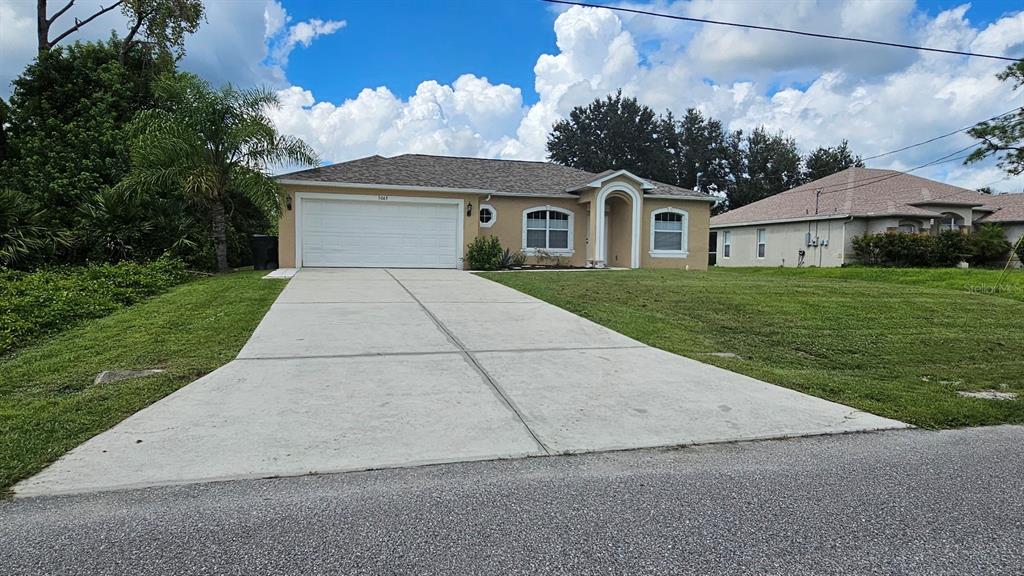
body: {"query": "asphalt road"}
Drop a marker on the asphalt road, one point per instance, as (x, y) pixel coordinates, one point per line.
(903, 502)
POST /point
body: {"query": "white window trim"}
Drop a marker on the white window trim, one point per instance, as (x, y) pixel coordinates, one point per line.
(726, 242)
(494, 215)
(685, 249)
(554, 251)
(300, 196)
(757, 243)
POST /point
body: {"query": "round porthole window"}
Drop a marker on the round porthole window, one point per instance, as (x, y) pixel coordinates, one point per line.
(487, 216)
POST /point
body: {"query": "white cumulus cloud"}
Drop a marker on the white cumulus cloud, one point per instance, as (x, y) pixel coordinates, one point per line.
(819, 91)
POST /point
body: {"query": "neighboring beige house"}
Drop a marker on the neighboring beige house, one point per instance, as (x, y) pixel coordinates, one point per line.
(422, 211)
(815, 224)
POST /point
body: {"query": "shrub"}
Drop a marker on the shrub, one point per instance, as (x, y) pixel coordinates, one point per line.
(988, 244)
(46, 301)
(950, 248)
(1020, 250)
(911, 250)
(894, 249)
(484, 253)
(510, 259)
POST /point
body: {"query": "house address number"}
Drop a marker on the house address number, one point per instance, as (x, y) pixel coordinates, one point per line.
(382, 197)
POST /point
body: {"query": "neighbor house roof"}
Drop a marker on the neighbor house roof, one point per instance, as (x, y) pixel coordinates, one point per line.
(502, 177)
(861, 192)
(1005, 208)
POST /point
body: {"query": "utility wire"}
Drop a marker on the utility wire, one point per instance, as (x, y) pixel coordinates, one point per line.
(930, 140)
(772, 29)
(846, 186)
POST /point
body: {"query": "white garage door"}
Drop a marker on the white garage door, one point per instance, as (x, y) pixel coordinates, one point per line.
(390, 233)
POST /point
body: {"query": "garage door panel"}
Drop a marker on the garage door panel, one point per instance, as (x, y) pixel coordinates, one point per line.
(351, 233)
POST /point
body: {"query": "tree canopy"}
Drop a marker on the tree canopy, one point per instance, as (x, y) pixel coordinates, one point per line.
(67, 113)
(1004, 136)
(827, 160)
(693, 152)
(163, 24)
(209, 143)
(613, 132)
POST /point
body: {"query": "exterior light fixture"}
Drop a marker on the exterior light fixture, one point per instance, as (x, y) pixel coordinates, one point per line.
(288, 202)
(469, 209)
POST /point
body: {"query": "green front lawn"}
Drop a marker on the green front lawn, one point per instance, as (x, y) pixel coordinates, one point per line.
(48, 402)
(898, 343)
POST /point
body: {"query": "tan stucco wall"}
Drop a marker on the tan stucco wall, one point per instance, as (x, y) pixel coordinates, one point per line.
(286, 224)
(509, 225)
(699, 219)
(783, 244)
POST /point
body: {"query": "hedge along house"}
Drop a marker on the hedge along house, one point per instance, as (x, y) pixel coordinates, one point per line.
(815, 224)
(419, 211)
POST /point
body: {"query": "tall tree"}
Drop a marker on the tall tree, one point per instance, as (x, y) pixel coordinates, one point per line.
(66, 119)
(164, 23)
(615, 132)
(208, 143)
(772, 166)
(1004, 136)
(825, 161)
(702, 159)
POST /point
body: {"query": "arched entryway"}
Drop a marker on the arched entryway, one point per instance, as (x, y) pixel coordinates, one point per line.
(617, 208)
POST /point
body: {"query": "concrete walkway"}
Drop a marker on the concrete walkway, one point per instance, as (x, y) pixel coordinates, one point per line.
(369, 368)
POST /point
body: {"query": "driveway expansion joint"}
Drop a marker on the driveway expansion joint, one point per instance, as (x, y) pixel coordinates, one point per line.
(475, 364)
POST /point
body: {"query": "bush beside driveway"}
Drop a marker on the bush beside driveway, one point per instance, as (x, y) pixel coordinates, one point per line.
(897, 343)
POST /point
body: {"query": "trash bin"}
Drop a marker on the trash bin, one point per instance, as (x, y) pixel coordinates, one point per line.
(264, 252)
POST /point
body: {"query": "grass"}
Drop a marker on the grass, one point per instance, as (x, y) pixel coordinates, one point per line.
(898, 343)
(48, 402)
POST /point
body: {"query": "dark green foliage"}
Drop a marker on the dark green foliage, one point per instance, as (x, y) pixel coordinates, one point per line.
(1003, 137)
(484, 253)
(695, 152)
(67, 115)
(24, 237)
(772, 166)
(951, 248)
(211, 147)
(1020, 249)
(33, 304)
(827, 160)
(615, 133)
(69, 148)
(988, 245)
(905, 250)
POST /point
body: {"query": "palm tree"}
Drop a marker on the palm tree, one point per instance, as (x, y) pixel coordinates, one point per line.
(206, 142)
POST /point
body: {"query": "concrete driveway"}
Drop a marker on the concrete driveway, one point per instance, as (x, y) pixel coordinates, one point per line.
(357, 369)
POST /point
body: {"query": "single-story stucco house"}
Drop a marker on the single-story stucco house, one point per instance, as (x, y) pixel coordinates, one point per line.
(815, 224)
(422, 211)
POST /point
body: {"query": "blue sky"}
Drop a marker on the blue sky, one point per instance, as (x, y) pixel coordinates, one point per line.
(398, 43)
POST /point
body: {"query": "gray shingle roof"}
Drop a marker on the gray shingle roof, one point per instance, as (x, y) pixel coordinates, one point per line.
(857, 192)
(1005, 208)
(508, 177)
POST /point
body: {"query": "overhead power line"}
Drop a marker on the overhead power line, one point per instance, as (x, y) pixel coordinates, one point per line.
(783, 30)
(947, 135)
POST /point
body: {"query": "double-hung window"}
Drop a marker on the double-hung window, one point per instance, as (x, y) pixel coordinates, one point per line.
(762, 242)
(669, 229)
(547, 229)
(726, 244)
